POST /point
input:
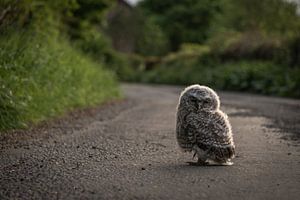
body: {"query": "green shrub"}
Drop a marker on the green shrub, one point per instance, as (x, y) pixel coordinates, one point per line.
(152, 41)
(42, 75)
(251, 45)
(253, 76)
(183, 21)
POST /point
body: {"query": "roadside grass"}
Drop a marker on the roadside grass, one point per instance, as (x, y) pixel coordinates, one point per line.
(42, 76)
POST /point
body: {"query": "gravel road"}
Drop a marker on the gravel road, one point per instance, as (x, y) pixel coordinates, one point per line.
(127, 150)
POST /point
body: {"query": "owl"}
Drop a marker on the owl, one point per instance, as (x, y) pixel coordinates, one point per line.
(202, 128)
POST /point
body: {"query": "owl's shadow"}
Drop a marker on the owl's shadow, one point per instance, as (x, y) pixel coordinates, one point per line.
(195, 164)
(188, 167)
(208, 164)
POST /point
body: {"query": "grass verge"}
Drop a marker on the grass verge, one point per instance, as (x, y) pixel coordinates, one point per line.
(42, 76)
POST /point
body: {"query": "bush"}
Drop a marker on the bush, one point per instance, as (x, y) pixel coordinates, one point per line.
(255, 76)
(42, 75)
(250, 45)
(183, 21)
(152, 41)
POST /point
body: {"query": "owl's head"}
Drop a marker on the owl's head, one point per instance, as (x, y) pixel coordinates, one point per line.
(200, 98)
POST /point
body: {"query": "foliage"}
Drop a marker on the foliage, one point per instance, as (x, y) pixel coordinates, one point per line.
(123, 27)
(131, 31)
(257, 30)
(185, 21)
(247, 45)
(227, 44)
(41, 74)
(84, 26)
(254, 76)
(274, 17)
(190, 21)
(151, 41)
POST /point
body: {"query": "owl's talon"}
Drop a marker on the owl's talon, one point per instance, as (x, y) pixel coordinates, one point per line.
(194, 154)
(201, 162)
(214, 163)
(227, 163)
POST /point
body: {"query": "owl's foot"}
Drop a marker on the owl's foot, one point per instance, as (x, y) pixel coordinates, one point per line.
(198, 163)
(227, 163)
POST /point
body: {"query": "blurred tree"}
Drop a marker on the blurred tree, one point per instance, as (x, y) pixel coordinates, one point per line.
(256, 29)
(123, 26)
(268, 16)
(151, 41)
(84, 26)
(131, 31)
(184, 21)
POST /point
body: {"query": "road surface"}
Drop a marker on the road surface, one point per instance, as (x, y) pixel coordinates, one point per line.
(127, 150)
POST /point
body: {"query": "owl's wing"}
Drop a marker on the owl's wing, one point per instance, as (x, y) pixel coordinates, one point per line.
(209, 128)
(222, 144)
(220, 128)
(211, 132)
(185, 131)
(215, 136)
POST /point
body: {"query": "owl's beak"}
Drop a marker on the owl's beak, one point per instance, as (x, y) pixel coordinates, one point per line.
(206, 98)
(199, 106)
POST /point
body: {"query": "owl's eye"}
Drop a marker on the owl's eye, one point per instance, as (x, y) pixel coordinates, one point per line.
(207, 100)
(194, 99)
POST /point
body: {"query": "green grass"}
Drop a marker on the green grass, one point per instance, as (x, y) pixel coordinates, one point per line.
(42, 76)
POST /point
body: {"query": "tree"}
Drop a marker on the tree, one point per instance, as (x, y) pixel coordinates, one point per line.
(268, 16)
(183, 21)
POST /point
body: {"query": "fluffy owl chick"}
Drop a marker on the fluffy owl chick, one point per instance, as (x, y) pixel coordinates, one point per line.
(203, 128)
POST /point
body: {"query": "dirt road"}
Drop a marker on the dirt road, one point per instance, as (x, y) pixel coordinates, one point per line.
(127, 150)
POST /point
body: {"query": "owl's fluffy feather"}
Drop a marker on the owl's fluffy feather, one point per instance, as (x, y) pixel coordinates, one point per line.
(202, 127)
